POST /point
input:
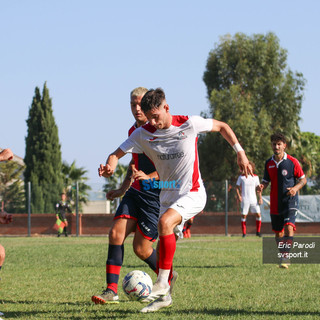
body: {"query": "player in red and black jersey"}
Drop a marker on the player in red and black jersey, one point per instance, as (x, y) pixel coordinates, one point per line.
(287, 178)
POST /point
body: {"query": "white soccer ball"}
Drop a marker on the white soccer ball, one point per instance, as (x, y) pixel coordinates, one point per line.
(137, 285)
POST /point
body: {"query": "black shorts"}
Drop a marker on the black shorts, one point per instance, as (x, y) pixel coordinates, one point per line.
(278, 221)
(142, 208)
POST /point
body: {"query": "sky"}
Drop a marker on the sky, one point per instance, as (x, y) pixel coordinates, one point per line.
(93, 53)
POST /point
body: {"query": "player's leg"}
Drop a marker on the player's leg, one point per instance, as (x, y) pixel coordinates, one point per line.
(244, 225)
(255, 208)
(188, 225)
(142, 247)
(244, 212)
(277, 222)
(258, 224)
(170, 225)
(120, 229)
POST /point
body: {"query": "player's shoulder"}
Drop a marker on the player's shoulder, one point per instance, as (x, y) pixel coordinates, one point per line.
(293, 159)
(269, 160)
(178, 120)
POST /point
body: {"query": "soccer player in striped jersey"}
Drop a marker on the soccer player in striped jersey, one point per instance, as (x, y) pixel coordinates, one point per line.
(287, 178)
(171, 144)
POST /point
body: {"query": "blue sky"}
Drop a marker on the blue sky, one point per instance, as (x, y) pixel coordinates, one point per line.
(93, 53)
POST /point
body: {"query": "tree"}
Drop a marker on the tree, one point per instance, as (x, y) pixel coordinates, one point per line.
(43, 155)
(251, 88)
(72, 175)
(307, 151)
(12, 193)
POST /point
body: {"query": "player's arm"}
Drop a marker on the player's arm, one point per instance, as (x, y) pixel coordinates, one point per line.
(6, 154)
(239, 193)
(140, 175)
(229, 135)
(111, 164)
(301, 183)
(259, 194)
(261, 186)
(116, 193)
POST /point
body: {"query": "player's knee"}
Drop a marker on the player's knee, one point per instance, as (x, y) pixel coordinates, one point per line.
(141, 252)
(115, 237)
(165, 225)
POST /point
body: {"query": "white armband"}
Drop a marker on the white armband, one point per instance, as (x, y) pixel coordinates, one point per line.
(237, 147)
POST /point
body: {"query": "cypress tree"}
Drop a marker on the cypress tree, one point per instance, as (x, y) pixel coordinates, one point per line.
(43, 154)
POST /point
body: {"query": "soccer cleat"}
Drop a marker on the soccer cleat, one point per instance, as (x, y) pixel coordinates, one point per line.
(258, 234)
(157, 292)
(244, 235)
(162, 302)
(173, 280)
(284, 263)
(107, 296)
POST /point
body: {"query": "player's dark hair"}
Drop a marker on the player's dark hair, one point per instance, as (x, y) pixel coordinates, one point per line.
(278, 136)
(152, 99)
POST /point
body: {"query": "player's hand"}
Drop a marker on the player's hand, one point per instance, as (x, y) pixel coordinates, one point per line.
(240, 198)
(66, 223)
(5, 218)
(260, 187)
(291, 191)
(105, 171)
(117, 193)
(244, 164)
(139, 175)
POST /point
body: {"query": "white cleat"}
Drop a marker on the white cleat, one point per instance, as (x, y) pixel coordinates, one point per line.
(162, 302)
(157, 292)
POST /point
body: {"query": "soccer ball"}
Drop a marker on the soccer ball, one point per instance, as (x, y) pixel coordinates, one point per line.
(137, 285)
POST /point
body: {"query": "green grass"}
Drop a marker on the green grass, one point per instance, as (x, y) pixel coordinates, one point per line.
(219, 278)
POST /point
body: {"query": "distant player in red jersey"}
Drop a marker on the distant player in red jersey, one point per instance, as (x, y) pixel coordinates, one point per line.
(186, 229)
(287, 178)
(246, 192)
(171, 143)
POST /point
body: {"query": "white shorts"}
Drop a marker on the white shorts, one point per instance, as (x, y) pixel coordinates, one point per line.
(187, 206)
(247, 206)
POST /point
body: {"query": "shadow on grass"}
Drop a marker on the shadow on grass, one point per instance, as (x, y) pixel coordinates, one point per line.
(74, 311)
(244, 312)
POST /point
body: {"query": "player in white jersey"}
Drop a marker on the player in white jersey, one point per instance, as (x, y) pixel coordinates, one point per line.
(246, 191)
(171, 143)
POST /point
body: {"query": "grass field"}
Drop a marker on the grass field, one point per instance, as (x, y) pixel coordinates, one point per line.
(219, 278)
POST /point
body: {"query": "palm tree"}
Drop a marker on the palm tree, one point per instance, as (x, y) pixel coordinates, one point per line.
(72, 175)
(115, 182)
